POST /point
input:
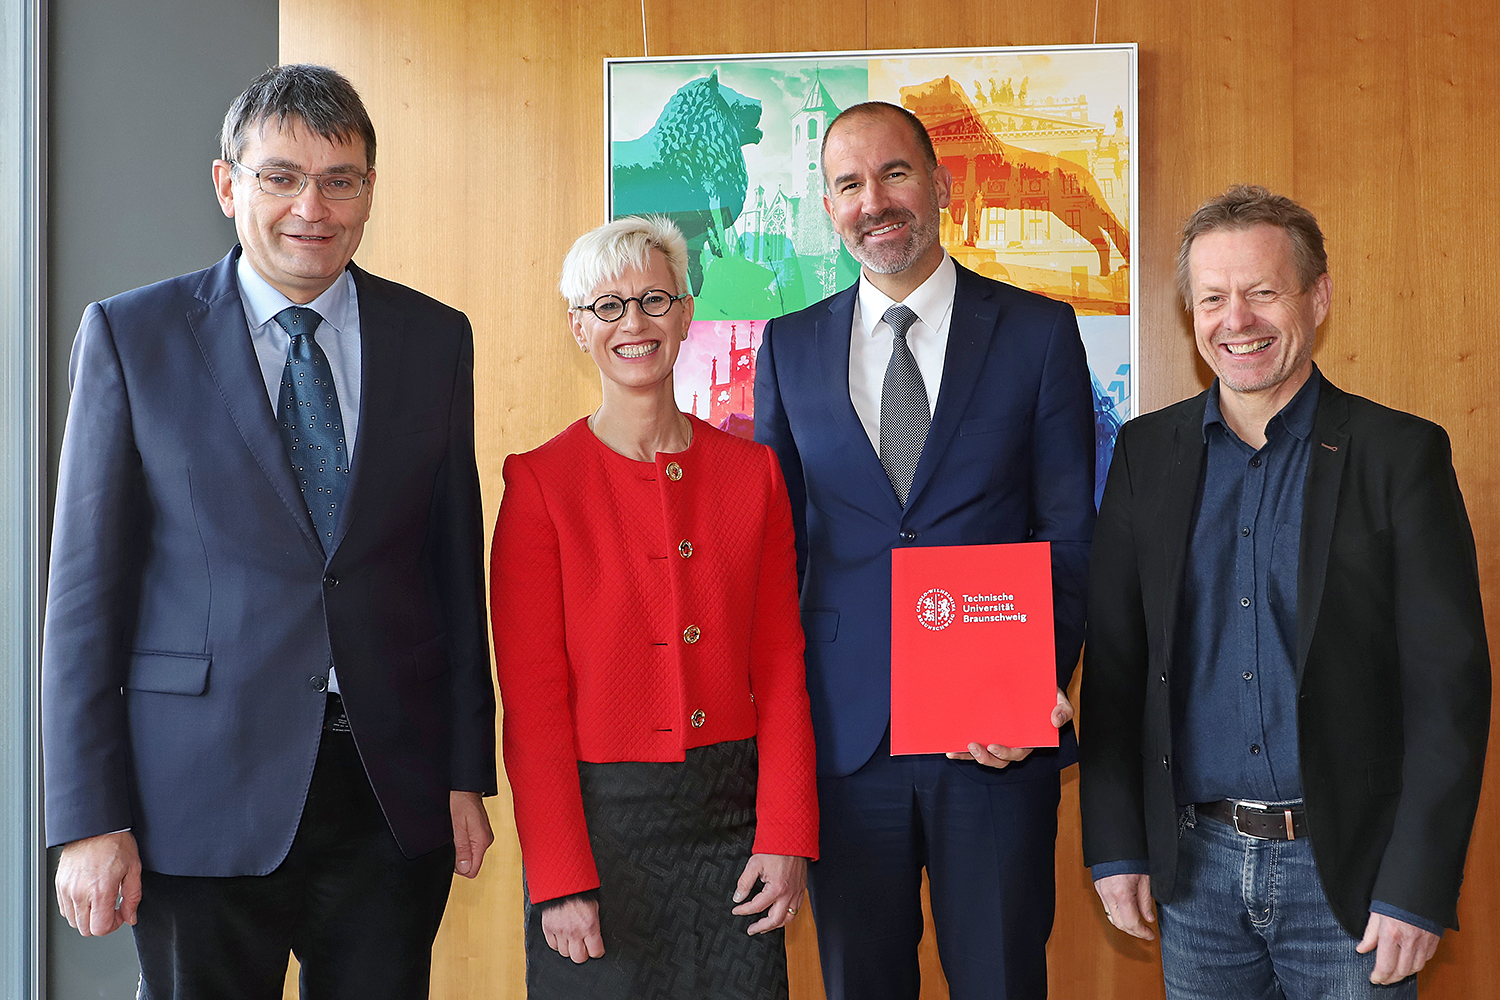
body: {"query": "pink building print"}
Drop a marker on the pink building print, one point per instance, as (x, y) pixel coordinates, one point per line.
(728, 388)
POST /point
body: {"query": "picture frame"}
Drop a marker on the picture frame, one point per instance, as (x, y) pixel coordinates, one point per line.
(1039, 140)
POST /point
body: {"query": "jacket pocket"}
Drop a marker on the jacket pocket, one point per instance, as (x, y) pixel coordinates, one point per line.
(430, 658)
(981, 425)
(820, 624)
(168, 673)
(424, 425)
(1385, 776)
(1360, 545)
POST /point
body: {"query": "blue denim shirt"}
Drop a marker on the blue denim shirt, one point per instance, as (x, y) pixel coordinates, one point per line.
(1234, 695)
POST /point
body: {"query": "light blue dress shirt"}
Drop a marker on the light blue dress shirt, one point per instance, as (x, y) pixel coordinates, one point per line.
(338, 335)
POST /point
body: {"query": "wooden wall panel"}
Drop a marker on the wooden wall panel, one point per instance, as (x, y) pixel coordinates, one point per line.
(1379, 116)
(1395, 139)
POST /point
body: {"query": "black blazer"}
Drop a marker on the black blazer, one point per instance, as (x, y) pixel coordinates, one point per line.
(1392, 664)
(192, 615)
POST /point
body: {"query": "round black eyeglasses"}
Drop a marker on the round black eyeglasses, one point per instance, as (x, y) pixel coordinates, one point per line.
(610, 308)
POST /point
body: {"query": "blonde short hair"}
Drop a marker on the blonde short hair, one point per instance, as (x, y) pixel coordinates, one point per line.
(607, 252)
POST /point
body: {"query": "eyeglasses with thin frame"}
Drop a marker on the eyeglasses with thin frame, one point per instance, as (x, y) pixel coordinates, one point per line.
(655, 302)
(284, 182)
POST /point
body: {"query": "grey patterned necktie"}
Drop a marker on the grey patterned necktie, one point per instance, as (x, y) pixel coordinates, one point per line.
(904, 414)
(312, 426)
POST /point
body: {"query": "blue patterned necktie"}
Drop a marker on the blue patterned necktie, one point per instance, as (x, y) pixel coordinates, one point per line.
(312, 427)
(904, 414)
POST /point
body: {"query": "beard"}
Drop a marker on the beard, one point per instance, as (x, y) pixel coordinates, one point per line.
(897, 257)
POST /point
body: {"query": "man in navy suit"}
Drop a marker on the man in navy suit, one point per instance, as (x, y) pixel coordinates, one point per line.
(924, 406)
(267, 709)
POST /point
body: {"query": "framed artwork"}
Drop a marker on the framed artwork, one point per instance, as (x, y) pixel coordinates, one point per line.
(1039, 141)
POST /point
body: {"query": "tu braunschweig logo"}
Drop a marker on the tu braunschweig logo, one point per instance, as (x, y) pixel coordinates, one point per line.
(935, 609)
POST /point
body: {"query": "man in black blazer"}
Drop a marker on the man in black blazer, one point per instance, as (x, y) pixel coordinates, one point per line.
(973, 424)
(267, 710)
(1286, 681)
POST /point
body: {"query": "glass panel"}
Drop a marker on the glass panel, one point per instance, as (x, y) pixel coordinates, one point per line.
(22, 403)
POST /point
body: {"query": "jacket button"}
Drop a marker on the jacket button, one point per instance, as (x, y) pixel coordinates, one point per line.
(691, 634)
(697, 719)
(1164, 677)
(330, 581)
(318, 683)
(1166, 762)
(685, 549)
(908, 536)
(674, 471)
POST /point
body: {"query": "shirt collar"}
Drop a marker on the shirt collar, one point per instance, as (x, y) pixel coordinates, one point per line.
(1296, 416)
(263, 301)
(931, 300)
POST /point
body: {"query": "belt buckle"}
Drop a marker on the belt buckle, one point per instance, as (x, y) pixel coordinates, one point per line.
(1235, 815)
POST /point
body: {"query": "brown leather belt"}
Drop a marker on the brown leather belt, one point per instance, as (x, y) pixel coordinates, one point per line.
(1256, 819)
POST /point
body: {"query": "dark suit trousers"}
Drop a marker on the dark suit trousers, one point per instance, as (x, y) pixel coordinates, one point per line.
(360, 916)
(988, 849)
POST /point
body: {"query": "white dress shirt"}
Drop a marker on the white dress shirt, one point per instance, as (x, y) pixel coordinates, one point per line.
(338, 335)
(871, 339)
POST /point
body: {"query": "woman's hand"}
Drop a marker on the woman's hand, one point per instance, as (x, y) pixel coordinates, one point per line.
(785, 879)
(572, 929)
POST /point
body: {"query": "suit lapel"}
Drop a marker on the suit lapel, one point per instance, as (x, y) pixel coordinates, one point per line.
(1175, 518)
(832, 333)
(1320, 497)
(223, 337)
(379, 365)
(976, 316)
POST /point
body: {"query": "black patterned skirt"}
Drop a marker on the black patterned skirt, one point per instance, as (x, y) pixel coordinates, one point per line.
(670, 841)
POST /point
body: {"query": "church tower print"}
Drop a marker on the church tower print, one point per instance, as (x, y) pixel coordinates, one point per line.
(735, 393)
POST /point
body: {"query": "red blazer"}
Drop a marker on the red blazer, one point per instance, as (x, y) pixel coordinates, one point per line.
(641, 609)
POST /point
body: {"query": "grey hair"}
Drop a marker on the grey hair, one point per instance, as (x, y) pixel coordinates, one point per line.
(322, 99)
(607, 252)
(1245, 206)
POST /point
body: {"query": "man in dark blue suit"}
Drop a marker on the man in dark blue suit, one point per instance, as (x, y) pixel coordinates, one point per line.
(267, 710)
(924, 406)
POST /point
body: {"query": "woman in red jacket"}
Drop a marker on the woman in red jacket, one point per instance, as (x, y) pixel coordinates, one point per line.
(656, 734)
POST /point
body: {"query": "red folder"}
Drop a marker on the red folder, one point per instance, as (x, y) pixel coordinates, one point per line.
(972, 654)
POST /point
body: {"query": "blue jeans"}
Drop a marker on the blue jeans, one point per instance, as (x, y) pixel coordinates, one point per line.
(1248, 920)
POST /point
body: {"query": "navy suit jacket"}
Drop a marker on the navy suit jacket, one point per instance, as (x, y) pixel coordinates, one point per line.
(192, 614)
(1009, 457)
